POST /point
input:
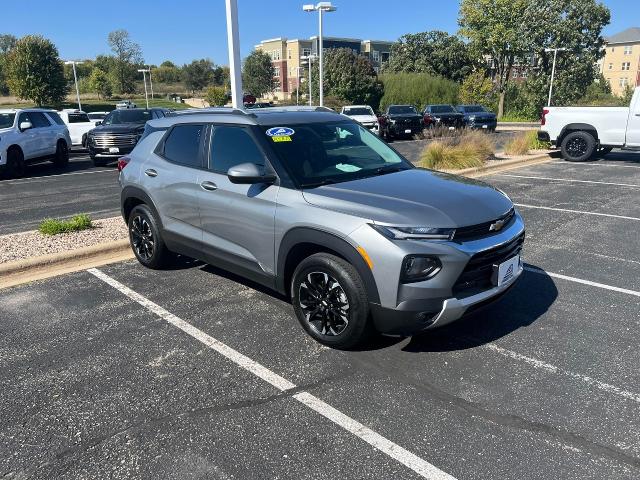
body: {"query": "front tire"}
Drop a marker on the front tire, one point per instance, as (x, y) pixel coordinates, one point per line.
(16, 166)
(578, 146)
(61, 158)
(145, 238)
(330, 301)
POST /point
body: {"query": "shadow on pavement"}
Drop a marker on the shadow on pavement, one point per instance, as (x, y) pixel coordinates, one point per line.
(78, 161)
(529, 299)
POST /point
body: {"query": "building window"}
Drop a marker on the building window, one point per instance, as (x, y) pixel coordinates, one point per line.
(623, 82)
(289, 53)
(385, 57)
(611, 66)
(375, 54)
(626, 65)
(275, 55)
(306, 52)
(628, 49)
(276, 72)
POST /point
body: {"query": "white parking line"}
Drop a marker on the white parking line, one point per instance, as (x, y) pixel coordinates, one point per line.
(582, 281)
(587, 164)
(570, 180)
(386, 446)
(576, 211)
(36, 179)
(535, 363)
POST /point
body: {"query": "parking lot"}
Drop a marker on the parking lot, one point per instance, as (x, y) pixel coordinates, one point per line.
(192, 373)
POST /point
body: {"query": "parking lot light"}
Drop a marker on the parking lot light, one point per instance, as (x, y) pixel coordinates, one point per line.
(320, 7)
(75, 79)
(553, 69)
(144, 79)
(307, 60)
(233, 41)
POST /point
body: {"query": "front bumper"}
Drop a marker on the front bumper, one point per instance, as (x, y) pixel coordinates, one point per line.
(398, 130)
(482, 124)
(105, 153)
(543, 136)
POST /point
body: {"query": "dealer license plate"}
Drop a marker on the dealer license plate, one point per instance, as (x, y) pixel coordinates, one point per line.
(114, 150)
(508, 269)
(408, 130)
(484, 126)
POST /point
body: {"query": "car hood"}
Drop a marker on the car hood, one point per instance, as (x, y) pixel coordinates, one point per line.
(119, 128)
(363, 118)
(414, 197)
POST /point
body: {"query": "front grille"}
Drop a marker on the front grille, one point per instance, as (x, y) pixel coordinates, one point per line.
(106, 140)
(482, 230)
(477, 275)
(411, 122)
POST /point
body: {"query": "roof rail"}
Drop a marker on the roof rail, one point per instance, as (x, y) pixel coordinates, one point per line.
(209, 111)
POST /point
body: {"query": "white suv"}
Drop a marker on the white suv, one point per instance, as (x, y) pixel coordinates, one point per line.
(31, 135)
(364, 115)
(79, 124)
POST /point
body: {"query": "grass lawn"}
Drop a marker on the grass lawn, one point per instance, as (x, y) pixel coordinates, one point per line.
(108, 105)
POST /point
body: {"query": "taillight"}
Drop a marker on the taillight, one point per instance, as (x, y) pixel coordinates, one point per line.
(123, 162)
(543, 119)
(427, 119)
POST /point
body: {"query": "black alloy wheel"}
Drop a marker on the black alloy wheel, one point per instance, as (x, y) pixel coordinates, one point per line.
(324, 304)
(142, 239)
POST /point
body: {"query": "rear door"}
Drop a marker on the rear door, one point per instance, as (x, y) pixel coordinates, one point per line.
(237, 221)
(170, 178)
(45, 134)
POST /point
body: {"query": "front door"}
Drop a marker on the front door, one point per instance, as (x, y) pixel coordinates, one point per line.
(29, 140)
(633, 126)
(238, 221)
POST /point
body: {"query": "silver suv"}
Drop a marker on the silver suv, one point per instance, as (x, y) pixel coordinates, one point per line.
(313, 205)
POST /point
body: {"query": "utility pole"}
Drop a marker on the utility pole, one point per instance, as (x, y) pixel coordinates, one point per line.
(144, 79)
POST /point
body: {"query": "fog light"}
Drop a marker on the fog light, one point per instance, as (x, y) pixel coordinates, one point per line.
(416, 268)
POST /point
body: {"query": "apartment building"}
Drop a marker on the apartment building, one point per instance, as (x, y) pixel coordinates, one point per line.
(286, 56)
(621, 62)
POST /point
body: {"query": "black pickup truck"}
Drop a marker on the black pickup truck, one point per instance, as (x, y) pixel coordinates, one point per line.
(400, 121)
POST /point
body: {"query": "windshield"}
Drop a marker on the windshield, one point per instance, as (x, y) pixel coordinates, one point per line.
(96, 116)
(127, 116)
(442, 109)
(78, 118)
(473, 109)
(400, 109)
(358, 111)
(322, 153)
(6, 120)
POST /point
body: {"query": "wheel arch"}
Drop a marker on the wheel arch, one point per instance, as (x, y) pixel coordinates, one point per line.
(134, 196)
(301, 242)
(577, 127)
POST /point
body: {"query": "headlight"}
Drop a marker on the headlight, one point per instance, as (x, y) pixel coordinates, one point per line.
(415, 233)
(472, 118)
(416, 268)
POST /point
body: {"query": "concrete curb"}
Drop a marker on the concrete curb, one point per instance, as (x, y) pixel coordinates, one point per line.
(45, 266)
(502, 165)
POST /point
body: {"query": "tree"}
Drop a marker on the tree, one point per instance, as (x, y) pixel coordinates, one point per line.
(127, 58)
(478, 88)
(434, 52)
(498, 28)
(216, 96)
(350, 77)
(167, 73)
(198, 74)
(258, 74)
(34, 71)
(7, 42)
(99, 83)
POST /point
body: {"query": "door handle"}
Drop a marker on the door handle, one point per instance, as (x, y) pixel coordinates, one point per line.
(150, 172)
(210, 186)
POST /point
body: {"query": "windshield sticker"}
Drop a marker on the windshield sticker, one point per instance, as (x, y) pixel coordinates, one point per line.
(346, 167)
(281, 132)
(281, 138)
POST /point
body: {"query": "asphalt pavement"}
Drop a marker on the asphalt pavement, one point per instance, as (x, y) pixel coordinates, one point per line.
(124, 372)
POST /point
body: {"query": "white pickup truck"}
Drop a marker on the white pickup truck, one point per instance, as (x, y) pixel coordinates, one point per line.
(582, 132)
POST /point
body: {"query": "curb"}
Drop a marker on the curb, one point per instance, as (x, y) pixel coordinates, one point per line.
(502, 165)
(45, 266)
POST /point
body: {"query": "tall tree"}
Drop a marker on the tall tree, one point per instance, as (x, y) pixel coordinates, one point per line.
(258, 74)
(7, 42)
(498, 29)
(128, 56)
(198, 74)
(35, 72)
(434, 52)
(99, 83)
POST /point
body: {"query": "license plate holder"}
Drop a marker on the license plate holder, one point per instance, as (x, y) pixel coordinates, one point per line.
(505, 271)
(484, 126)
(407, 130)
(114, 150)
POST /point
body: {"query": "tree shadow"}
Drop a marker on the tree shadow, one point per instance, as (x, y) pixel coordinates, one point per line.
(527, 301)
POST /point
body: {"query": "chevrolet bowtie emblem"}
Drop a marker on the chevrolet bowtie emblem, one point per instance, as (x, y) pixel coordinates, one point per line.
(496, 226)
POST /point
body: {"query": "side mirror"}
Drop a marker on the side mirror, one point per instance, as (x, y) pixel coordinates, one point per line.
(25, 126)
(99, 122)
(249, 173)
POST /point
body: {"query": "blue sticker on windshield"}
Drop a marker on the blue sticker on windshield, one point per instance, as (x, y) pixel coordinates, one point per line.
(280, 132)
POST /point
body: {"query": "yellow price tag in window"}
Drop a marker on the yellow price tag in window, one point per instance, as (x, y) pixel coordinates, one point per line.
(282, 138)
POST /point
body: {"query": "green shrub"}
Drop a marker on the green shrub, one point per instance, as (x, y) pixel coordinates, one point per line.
(522, 143)
(54, 226)
(216, 96)
(417, 89)
(471, 149)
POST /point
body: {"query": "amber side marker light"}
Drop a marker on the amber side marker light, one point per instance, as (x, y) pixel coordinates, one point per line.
(366, 257)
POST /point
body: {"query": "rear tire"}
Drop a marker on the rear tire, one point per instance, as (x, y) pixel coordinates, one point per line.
(146, 239)
(330, 301)
(61, 158)
(16, 166)
(578, 146)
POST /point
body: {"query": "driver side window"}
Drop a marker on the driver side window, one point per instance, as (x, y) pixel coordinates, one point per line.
(231, 146)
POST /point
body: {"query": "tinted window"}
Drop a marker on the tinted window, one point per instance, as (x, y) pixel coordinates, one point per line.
(96, 116)
(78, 118)
(127, 116)
(358, 111)
(402, 109)
(183, 145)
(442, 109)
(39, 120)
(232, 146)
(56, 118)
(474, 109)
(6, 119)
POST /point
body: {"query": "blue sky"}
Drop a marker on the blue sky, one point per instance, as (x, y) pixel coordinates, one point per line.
(189, 29)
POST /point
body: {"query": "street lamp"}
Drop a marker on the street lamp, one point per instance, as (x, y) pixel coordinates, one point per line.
(298, 85)
(320, 7)
(233, 40)
(144, 72)
(308, 59)
(553, 68)
(75, 79)
(150, 82)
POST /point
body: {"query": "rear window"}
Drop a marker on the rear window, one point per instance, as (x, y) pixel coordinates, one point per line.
(474, 109)
(443, 109)
(96, 116)
(127, 116)
(7, 119)
(182, 146)
(39, 120)
(358, 111)
(56, 118)
(78, 118)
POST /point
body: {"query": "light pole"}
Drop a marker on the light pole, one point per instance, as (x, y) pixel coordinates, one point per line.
(553, 68)
(75, 79)
(298, 85)
(144, 79)
(320, 7)
(150, 82)
(308, 59)
(233, 40)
